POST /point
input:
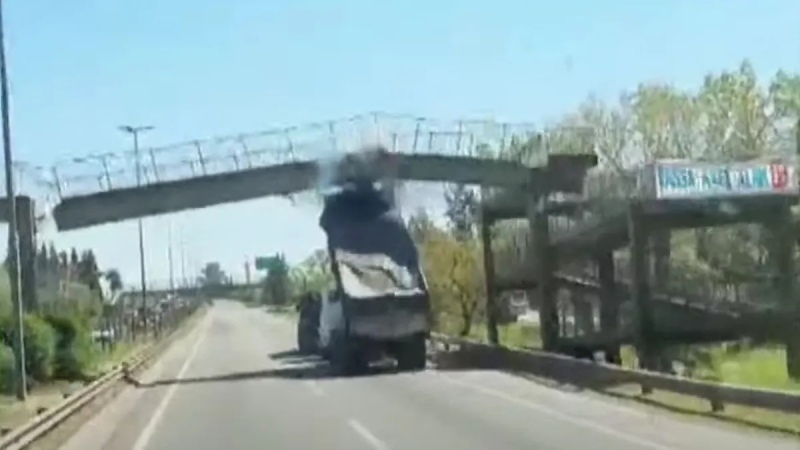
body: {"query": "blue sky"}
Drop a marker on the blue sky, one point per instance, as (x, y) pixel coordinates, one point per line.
(200, 68)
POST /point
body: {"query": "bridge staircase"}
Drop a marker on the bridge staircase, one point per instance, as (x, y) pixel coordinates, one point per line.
(581, 229)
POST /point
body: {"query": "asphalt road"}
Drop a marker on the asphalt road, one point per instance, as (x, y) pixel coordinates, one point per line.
(235, 383)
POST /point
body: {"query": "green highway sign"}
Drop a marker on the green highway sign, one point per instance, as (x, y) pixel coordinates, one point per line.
(266, 262)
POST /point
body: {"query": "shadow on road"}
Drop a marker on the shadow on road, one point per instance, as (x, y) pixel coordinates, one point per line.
(294, 353)
(306, 368)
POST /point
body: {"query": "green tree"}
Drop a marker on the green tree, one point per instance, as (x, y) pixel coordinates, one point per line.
(277, 285)
(88, 272)
(74, 260)
(461, 210)
(42, 261)
(53, 263)
(313, 274)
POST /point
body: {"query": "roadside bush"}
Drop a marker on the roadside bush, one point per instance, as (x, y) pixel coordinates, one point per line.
(40, 345)
(7, 369)
(40, 348)
(74, 349)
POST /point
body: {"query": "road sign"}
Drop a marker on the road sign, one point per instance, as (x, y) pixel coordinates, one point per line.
(267, 262)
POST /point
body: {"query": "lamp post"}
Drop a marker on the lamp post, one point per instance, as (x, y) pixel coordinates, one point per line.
(134, 131)
(13, 237)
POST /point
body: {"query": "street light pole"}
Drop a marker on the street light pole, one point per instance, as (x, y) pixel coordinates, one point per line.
(134, 131)
(13, 237)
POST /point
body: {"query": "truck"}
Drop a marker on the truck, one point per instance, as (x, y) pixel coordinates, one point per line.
(380, 305)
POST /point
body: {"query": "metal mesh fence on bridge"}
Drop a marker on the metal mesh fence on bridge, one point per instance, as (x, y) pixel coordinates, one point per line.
(317, 141)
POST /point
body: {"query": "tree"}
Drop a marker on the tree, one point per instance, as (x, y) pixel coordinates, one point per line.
(455, 279)
(461, 210)
(43, 263)
(73, 261)
(63, 260)
(54, 259)
(276, 287)
(313, 274)
(420, 225)
(87, 271)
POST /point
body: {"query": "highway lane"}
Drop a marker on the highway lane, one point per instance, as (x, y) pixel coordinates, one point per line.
(235, 384)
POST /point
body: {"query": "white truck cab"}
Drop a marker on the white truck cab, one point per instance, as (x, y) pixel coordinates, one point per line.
(331, 319)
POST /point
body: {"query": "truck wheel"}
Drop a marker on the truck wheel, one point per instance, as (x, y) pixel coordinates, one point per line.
(301, 347)
(302, 343)
(345, 357)
(412, 354)
(325, 353)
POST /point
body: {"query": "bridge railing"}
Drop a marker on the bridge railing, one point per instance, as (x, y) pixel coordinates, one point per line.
(315, 141)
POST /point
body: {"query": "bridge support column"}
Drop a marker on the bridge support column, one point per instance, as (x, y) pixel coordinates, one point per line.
(646, 345)
(782, 230)
(609, 303)
(661, 243)
(491, 292)
(545, 263)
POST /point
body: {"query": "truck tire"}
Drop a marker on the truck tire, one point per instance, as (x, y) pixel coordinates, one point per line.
(412, 354)
(305, 343)
(325, 353)
(302, 346)
(346, 359)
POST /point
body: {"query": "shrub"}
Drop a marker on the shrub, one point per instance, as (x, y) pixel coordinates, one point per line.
(40, 345)
(74, 348)
(7, 369)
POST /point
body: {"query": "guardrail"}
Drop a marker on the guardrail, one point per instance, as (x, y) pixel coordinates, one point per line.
(585, 373)
(27, 434)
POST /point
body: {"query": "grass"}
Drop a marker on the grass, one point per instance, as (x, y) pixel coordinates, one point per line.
(762, 367)
(697, 407)
(514, 335)
(118, 354)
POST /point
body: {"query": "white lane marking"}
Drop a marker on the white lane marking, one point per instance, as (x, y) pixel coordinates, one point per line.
(315, 388)
(588, 424)
(367, 435)
(580, 397)
(152, 424)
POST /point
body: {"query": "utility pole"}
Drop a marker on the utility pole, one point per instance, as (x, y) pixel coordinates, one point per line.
(134, 131)
(13, 237)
